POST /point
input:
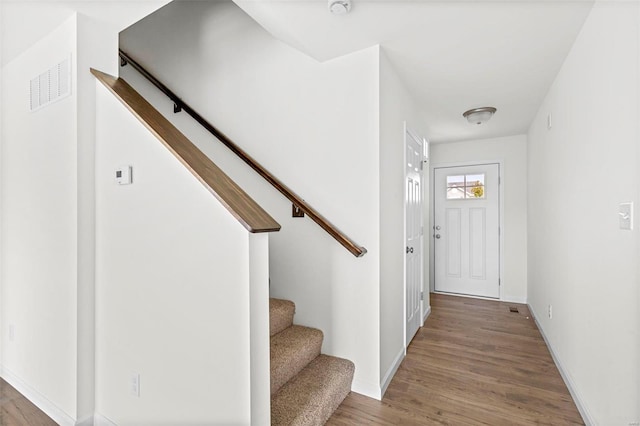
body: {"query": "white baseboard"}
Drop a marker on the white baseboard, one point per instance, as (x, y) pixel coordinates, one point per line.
(582, 408)
(391, 371)
(426, 314)
(86, 422)
(514, 300)
(39, 400)
(367, 389)
(100, 420)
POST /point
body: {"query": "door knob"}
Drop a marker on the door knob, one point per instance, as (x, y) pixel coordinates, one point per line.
(437, 227)
(438, 236)
(411, 250)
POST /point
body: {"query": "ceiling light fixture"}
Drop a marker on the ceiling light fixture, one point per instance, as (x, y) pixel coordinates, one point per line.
(479, 115)
(339, 7)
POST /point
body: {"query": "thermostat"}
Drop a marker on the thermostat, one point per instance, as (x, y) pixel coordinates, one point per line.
(123, 175)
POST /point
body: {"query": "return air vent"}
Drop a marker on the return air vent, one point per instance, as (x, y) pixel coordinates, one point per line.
(50, 86)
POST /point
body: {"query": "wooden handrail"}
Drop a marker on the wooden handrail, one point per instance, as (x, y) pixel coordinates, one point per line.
(240, 205)
(180, 105)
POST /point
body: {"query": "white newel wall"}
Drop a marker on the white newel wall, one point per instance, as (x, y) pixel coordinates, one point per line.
(580, 262)
(314, 125)
(174, 289)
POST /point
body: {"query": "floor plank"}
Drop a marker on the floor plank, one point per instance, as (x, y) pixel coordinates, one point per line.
(473, 363)
(16, 410)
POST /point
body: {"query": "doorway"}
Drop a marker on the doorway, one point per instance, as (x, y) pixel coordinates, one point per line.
(467, 230)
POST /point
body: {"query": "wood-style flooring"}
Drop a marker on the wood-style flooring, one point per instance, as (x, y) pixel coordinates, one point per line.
(16, 410)
(473, 363)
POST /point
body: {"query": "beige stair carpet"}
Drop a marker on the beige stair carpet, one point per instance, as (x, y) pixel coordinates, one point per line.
(280, 315)
(291, 350)
(306, 387)
(312, 396)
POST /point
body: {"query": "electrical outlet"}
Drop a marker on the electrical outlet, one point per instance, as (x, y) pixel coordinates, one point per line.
(135, 384)
(550, 312)
(12, 332)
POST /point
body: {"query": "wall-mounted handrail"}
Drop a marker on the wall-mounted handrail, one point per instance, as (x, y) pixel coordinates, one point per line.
(253, 217)
(298, 202)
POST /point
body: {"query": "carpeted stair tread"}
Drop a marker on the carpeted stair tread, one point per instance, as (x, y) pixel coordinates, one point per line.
(280, 315)
(291, 350)
(312, 396)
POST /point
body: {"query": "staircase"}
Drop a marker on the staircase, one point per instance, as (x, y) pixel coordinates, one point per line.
(306, 387)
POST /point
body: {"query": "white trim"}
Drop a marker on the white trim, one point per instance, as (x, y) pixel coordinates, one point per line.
(88, 421)
(100, 420)
(426, 314)
(367, 389)
(392, 371)
(39, 400)
(582, 408)
(432, 168)
(514, 300)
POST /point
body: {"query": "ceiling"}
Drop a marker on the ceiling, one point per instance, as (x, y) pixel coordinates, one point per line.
(452, 55)
(24, 22)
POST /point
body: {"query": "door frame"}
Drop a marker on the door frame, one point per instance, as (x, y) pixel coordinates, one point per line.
(432, 207)
(425, 170)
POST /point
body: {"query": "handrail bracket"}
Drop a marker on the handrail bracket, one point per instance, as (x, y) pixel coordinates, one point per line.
(296, 211)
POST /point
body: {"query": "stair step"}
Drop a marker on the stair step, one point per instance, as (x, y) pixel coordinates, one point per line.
(314, 394)
(280, 315)
(291, 350)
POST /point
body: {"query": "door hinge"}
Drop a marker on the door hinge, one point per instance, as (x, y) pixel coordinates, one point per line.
(422, 295)
(499, 180)
(499, 231)
(499, 282)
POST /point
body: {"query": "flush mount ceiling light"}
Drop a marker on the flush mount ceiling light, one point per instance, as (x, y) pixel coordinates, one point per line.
(339, 7)
(479, 115)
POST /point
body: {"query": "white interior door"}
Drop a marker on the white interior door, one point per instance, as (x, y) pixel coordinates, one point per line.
(413, 233)
(467, 230)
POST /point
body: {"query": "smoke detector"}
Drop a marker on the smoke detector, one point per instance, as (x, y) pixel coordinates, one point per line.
(339, 7)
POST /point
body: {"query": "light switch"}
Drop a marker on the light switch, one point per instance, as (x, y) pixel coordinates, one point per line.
(625, 211)
(123, 175)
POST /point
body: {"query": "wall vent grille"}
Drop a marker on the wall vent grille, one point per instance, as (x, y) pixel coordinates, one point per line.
(50, 86)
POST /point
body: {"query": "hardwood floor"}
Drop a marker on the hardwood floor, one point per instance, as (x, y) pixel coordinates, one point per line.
(16, 410)
(473, 363)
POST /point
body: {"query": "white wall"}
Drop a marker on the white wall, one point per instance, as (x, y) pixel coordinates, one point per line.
(39, 232)
(512, 151)
(396, 107)
(314, 125)
(173, 286)
(579, 260)
(47, 214)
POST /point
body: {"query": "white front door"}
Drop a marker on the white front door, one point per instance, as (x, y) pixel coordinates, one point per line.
(413, 233)
(466, 230)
